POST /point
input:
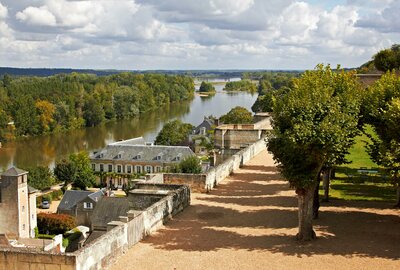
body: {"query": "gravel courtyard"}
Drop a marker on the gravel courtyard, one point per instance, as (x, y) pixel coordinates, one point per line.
(249, 222)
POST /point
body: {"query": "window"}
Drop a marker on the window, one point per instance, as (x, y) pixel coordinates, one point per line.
(148, 169)
(158, 169)
(129, 169)
(119, 168)
(139, 169)
(110, 169)
(119, 182)
(88, 205)
(23, 227)
(93, 167)
(101, 167)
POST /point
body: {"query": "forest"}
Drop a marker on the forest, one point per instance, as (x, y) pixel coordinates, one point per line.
(32, 106)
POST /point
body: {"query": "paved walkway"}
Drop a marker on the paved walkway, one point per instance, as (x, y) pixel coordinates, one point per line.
(249, 222)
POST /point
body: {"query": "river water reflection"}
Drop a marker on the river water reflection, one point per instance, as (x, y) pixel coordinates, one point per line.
(45, 150)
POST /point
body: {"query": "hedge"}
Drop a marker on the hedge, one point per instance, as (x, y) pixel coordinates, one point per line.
(55, 223)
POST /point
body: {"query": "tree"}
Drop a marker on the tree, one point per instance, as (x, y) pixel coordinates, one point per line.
(206, 87)
(190, 165)
(237, 115)
(83, 176)
(64, 171)
(45, 110)
(93, 112)
(40, 177)
(388, 59)
(382, 109)
(315, 123)
(173, 133)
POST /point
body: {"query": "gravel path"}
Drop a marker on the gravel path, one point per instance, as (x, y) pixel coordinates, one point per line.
(249, 222)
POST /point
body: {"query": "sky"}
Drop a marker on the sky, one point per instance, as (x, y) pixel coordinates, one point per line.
(195, 34)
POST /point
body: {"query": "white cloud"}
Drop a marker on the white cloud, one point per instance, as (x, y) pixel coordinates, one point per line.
(37, 16)
(3, 12)
(194, 33)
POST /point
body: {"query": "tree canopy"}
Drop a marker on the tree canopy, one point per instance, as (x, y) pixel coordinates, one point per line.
(388, 59)
(242, 85)
(382, 110)
(206, 87)
(38, 105)
(314, 123)
(174, 132)
(189, 165)
(237, 115)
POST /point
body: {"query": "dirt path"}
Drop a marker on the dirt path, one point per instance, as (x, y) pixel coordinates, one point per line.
(249, 222)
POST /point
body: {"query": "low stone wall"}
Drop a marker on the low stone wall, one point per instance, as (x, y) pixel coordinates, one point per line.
(132, 229)
(206, 182)
(122, 235)
(21, 258)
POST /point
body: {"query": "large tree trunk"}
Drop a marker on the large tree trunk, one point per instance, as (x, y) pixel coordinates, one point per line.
(326, 178)
(398, 196)
(305, 199)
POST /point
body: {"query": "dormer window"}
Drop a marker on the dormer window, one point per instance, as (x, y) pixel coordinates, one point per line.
(119, 155)
(138, 156)
(178, 157)
(159, 156)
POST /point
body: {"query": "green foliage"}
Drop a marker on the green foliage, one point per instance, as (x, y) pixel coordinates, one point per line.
(69, 238)
(243, 85)
(173, 133)
(315, 124)
(83, 175)
(64, 171)
(55, 223)
(237, 115)
(70, 101)
(206, 87)
(382, 109)
(47, 197)
(388, 59)
(188, 165)
(36, 229)
(40, 177)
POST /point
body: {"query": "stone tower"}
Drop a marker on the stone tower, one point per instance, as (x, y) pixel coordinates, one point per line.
(14, 204)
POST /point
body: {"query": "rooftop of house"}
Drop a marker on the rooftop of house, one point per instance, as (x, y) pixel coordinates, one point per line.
(72, 197)
(143, 153)
(207, 124)
(133, 141)
(109, 209)
(13, 171)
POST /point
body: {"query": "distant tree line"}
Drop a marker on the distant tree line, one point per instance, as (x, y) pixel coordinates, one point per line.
(38, 105)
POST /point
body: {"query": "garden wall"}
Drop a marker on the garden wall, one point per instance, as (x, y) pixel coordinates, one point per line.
(206, 182)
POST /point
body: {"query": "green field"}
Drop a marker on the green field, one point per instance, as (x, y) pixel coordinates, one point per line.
(349, 184)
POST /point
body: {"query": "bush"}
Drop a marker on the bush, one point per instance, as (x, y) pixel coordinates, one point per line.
(188, 165)
(69, 238)
(57, 194)
(55, 223)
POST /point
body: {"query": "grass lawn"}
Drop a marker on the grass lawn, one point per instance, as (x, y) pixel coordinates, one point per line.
(351, 185)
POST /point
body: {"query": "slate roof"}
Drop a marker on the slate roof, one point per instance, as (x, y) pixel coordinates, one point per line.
(207, 123)
(32, 189)
(109, 209)
(71, 198)
(95, 196)
(14, 172)
(134, 141)
(143, 153)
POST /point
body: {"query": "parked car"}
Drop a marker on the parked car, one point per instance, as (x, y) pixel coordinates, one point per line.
(45, 205)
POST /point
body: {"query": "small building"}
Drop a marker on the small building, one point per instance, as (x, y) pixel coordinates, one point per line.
(17, 205)
(127, 158)
(200, 135)
(80, 204)
(237, 136)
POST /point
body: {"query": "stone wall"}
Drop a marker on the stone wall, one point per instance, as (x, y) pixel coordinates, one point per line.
(98, 254)
(206, 182)
(19, 258)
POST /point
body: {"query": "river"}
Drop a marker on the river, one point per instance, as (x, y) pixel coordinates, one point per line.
(45, 150)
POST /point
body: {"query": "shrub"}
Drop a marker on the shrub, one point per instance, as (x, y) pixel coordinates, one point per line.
(57, 194)
(69, 238)
(55, 223)
(47, 197)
